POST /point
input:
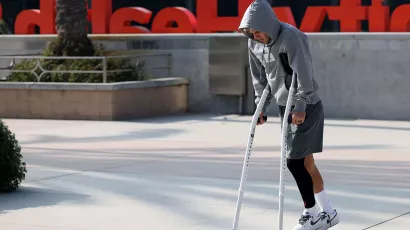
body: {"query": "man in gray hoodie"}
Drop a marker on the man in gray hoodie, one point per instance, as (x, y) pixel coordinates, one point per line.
(276, 50)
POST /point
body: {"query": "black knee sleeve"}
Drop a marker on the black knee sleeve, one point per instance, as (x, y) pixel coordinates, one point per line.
(303, 180)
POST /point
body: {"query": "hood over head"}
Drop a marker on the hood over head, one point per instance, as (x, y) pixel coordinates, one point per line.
(260, 16)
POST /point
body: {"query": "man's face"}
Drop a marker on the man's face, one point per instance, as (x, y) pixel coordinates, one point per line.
(260, 36)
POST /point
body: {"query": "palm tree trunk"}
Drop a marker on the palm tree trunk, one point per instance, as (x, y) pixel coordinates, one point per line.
(71, 20)
(71, 26)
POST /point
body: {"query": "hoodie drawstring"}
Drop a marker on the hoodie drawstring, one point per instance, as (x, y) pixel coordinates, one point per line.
(263, 61)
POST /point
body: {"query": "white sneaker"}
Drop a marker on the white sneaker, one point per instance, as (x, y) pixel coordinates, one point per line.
(330, 219)
(310, 222)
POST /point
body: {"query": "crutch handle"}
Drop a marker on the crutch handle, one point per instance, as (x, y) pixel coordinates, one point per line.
(290, 119)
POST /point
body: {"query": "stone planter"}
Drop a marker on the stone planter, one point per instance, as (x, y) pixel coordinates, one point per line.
(93, 101)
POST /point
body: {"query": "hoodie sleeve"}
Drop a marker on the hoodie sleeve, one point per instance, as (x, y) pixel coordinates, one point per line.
(259, 79)
(300, 61)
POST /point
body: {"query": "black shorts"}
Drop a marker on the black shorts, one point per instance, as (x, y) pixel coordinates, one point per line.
(306, 138)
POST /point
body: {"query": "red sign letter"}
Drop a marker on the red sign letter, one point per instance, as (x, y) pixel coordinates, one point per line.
(122, 18)
(350, 13)
(208, 20)
(285, 14)
(379, 17)
(44, 18)
(400, 19)
(100, 15)
(185, 20)
(313, 19)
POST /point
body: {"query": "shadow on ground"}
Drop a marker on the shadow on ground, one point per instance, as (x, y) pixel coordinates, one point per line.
(27, 197)
(195, 186)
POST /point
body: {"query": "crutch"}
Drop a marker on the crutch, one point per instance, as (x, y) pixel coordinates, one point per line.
(283, 155)
(283, 152)
(248, 154)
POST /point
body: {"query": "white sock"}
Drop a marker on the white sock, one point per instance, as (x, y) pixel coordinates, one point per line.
(323, 201)
(312, 211)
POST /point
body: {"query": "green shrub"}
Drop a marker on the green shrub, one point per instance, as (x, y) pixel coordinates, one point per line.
(4, 28)
(136, 71)
(12, 169)
(62, 46)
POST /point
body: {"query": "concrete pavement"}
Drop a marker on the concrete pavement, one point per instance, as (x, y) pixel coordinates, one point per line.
(183, 173)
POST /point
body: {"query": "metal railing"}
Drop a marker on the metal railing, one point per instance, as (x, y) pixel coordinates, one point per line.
(104, 70)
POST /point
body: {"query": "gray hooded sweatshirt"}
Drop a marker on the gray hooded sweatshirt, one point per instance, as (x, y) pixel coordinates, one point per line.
(286, 42)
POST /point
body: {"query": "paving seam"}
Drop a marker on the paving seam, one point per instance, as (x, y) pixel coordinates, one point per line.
(387, 221)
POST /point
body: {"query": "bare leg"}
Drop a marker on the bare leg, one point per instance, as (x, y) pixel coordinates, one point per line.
(320, 194)
(314, 173)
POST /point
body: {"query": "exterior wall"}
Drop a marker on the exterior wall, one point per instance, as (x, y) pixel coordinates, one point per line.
(360, 75)
(93, 101)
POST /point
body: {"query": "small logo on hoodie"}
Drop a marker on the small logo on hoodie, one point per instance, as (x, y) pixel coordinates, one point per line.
(268, 57)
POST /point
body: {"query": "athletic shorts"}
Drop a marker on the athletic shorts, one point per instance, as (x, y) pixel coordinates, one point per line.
(306, 138)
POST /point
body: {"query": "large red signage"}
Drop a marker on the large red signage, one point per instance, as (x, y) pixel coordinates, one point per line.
(350, 13)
